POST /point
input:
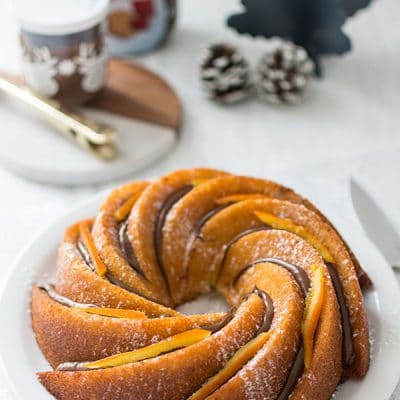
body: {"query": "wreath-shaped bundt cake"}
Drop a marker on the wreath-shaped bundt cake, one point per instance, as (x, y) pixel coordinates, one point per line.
(109, 328)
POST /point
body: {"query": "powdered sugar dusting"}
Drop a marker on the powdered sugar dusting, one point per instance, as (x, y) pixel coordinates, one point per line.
(208, 303)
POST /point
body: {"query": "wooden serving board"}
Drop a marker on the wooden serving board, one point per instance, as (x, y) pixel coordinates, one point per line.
(143, 108)
(135, 92)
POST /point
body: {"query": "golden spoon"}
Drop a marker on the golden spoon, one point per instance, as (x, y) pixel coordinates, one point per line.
(90, 135)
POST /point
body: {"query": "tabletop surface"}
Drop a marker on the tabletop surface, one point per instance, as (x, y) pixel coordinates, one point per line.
(348, 124)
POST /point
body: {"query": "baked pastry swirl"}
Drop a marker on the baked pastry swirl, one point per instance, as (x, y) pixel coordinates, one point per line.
(108, 326)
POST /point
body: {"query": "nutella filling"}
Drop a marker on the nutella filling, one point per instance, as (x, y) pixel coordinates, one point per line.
(235, 239)
(206, 217)
(52, 293)
(298, 273)
(85, 255)
(162, 215)
(267, 320)
(127, 249)
(348, 351)
(269, 310)
(294, 375)
(222, 323)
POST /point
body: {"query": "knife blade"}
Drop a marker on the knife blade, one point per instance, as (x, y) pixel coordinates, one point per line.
(376, 224)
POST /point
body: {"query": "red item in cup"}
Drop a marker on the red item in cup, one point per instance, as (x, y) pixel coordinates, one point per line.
(144, 7)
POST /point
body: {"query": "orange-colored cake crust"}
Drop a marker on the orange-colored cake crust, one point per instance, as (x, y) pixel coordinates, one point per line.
(109, 329)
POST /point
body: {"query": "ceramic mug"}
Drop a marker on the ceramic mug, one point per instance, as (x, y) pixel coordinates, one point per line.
(63, 49)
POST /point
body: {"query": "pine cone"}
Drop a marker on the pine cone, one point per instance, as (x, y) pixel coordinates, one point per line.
(283, 74)
(225, 74)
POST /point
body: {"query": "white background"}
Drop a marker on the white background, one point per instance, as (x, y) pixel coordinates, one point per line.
(349, 123)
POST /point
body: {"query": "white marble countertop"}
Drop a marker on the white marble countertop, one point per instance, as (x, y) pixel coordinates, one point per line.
(348, 124)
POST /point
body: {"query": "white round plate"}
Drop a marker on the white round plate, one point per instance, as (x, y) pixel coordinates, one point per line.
(21, 357)
(32, 149)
